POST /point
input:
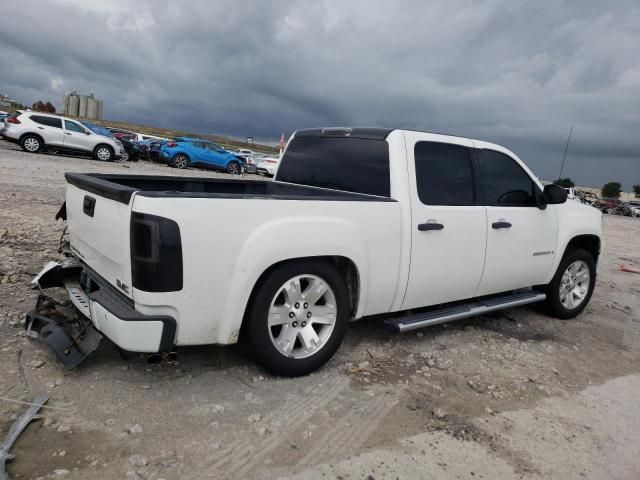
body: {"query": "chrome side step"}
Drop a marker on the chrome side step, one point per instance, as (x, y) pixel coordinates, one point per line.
(471, 309)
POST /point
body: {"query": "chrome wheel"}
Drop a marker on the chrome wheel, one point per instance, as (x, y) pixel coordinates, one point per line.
(103, 153)
(181, 161)
(31, 144)
(574, 284)
(302, 316)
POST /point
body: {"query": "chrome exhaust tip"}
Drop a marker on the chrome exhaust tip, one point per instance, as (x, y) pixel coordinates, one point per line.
(171, 357)
(154, 358)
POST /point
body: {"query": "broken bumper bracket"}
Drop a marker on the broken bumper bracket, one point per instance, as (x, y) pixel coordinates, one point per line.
(70, 336)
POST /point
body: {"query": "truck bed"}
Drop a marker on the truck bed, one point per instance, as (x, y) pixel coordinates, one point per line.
(121, 187)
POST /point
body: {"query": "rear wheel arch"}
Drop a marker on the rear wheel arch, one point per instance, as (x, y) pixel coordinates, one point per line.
(29, 134)
(345, 266)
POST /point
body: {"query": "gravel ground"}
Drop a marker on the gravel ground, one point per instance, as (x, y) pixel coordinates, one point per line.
(510, 395)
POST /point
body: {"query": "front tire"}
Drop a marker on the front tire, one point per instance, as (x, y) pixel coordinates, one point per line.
(234, 168)
(103, 153)
(572, 286)
(31, 143)
(298, 317)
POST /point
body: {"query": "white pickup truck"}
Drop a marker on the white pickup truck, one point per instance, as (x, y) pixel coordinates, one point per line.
(419, 227)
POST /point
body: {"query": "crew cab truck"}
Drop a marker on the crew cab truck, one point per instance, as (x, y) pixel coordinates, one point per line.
(419, 227)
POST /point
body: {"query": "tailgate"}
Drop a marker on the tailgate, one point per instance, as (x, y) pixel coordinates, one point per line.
(99, 224)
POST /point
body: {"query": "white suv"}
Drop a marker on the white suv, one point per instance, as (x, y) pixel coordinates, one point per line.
(36, 131)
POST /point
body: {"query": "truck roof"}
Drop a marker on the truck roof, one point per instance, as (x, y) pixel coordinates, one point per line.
(373, 133)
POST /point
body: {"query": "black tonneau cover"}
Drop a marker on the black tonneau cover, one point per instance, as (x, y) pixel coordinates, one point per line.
(121, 187)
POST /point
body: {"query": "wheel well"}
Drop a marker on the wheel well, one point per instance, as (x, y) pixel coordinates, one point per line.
(344, 265)
(590, 243)
(29, 134)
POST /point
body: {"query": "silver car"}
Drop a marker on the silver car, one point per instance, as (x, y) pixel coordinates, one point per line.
(36, 131)
(267, 165)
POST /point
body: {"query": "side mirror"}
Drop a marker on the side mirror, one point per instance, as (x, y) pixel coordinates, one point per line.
(554, 194)
(87, 132)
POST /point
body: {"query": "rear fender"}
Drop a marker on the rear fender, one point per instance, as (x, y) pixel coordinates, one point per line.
(345, 240)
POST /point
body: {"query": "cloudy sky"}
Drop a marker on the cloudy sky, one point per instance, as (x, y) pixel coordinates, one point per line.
(513, 72)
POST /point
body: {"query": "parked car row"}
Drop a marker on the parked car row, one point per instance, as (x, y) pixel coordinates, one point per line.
(36, 131)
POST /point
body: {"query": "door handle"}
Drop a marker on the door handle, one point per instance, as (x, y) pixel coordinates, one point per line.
(41, 128)
(501, 224)
(67, 133)
(430, 225)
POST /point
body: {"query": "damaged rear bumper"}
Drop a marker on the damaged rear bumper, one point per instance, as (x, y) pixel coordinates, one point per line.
(99, 310)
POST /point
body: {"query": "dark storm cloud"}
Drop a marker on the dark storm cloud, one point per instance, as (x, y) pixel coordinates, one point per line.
(518, 73)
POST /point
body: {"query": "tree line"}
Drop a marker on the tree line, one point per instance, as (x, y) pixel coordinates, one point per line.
(609, 189)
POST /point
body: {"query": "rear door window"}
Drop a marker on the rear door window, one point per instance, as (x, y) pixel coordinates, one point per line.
(340, 163)
(504, 182)
(48, 121)
(444, 174)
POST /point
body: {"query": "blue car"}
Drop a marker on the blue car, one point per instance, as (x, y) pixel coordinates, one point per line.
(185, 152)
(97, 129)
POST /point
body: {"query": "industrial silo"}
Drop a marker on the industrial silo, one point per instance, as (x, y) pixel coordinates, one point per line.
(92, 108)
(65, 104)
(73, 105)
(82, 106)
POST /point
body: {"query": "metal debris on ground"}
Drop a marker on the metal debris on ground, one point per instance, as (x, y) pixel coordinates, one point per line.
(14, 432)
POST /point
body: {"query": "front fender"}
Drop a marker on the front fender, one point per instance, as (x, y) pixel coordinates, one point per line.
(287, 239)
(574, 219)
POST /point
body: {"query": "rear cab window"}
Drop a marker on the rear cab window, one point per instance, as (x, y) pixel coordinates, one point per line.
(444, 174)
(347, 163)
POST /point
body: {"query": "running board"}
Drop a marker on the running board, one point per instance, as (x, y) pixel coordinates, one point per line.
(471, 309)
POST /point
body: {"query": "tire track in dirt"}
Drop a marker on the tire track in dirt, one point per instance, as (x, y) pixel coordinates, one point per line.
(243, 456)
(351, 431)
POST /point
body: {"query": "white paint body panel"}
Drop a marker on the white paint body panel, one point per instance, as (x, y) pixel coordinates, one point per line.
(228, 243)
(446, 265)
(101, 241)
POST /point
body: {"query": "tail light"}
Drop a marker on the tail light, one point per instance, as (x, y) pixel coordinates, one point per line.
(271, 161)
(171, 144)
(13, 120)
(156, 253)
(249, 161)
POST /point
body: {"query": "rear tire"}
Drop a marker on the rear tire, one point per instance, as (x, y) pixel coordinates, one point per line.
(104, 153)
(31, 143)
(292, 328)
(571, 288)
(180, 161)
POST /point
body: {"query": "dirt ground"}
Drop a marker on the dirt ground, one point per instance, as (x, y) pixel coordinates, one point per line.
(511, 395)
